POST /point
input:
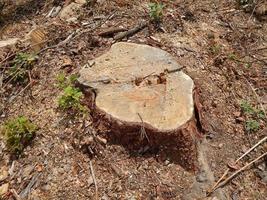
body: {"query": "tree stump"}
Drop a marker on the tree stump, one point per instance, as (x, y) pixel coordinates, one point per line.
(141, 97)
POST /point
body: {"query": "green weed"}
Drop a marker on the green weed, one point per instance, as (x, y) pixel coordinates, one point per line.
(71, 100)
(63, 81)
(232, 56)
(18, 133)
(253, 116)
(215, 49)
(21, 64)
(252, 125)
(247, 108)
(156, 12)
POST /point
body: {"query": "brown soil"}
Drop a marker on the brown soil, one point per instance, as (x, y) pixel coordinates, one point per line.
(203, 36)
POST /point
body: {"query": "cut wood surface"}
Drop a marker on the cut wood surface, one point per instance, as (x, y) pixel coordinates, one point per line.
(138, 85)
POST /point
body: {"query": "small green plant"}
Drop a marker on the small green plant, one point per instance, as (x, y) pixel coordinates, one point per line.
(253, 116)
(71, 100)
(215, 49)
(252, 125)
(247, 108)
(232, 56)
(21, 64)
(156, 12)
(18, 133)
(63, 81)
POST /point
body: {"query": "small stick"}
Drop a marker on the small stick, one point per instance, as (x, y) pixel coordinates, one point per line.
(227, 170)
(174, 70)
(15, 194)
(111, 31)
(26, 191)
(252, 12)
(12, 99)
(240, 170)
(248, 151)
(130, 32)
(94, 179)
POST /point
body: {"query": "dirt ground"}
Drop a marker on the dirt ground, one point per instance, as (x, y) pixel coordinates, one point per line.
(221, 45)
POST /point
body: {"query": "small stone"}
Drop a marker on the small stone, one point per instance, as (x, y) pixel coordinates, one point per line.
(237, 114)
(167, 162)
(70, 11)
(240, 119)
(210, 136)
(4, 189)
(46, 187)
(8, 42)
(101, 140)
(220, 145)
(66, 62)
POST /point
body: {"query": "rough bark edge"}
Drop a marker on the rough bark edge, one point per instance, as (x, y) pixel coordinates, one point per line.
(179, 145)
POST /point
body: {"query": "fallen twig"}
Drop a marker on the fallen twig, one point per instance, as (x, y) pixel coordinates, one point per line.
(111, 31)
(240, 170)
(70, 36)
(99, 25)
(25, 192)
(15, 194)
(12, 99)
(130, 32)
(94, 179)
(175, 70)
(215, 186)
